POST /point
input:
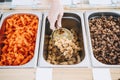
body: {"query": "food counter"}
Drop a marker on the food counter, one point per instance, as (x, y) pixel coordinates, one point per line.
(91, 60)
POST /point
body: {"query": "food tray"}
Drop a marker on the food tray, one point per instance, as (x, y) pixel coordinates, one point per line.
(33, 61)
(0, 16)
(94, 14)
(70, 20)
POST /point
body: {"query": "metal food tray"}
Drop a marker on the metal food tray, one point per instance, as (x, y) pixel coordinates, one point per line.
(93, 14)
(33, 62)
(70, 21)
(1, 15)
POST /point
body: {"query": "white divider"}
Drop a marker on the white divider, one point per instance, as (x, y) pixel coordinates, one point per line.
(101, 74)
(44, 74)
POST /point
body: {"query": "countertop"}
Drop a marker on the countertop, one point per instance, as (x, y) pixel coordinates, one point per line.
(57, 73)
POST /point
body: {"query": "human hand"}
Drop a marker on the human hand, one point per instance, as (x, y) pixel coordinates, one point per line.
(55, 14)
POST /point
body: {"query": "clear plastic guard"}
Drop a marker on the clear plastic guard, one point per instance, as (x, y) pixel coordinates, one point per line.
(116, 1)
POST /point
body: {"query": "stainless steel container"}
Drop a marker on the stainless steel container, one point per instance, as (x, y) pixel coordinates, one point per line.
(33, 62)
(73, 21)
(0, 16)
(94, 14)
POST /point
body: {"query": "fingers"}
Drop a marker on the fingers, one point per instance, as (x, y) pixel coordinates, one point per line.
(52, 23)
(59, 21)
(52, 27)
(55, 21)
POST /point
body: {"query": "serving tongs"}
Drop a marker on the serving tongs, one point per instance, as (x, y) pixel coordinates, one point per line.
(62, 33)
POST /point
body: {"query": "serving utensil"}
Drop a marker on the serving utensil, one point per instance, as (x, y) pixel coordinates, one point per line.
(62, 33)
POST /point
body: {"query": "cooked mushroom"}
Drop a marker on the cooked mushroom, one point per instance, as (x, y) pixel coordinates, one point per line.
(105, 35)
